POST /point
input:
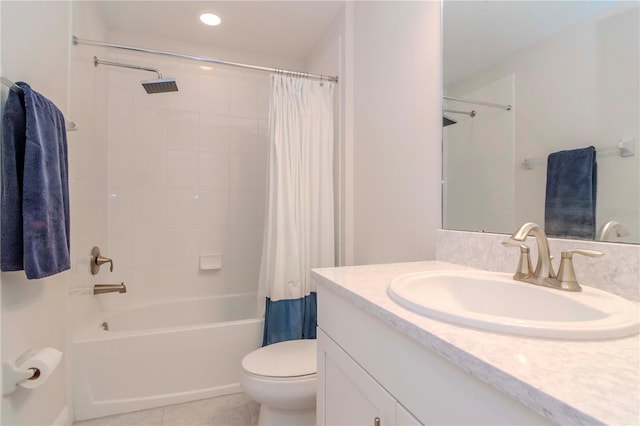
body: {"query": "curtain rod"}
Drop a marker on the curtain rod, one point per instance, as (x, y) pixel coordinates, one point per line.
(77, 41)
(69, 125)
(471, 101)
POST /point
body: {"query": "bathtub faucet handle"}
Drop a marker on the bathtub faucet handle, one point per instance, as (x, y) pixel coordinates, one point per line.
(102, 260)
(97, 261)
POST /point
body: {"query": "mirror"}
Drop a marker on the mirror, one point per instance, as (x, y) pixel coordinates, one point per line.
(548, 77)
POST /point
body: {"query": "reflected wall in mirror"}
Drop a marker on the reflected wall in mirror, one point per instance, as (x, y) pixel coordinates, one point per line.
(570, 71)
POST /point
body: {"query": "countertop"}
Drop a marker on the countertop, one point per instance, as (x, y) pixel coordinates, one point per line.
(569, 382)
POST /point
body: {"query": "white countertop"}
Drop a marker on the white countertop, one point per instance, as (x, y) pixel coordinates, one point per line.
(569, 382)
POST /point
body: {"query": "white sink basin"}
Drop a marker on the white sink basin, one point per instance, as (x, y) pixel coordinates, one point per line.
(495, 302)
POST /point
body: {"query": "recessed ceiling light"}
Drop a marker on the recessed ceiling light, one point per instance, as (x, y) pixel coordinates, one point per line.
(210, 19)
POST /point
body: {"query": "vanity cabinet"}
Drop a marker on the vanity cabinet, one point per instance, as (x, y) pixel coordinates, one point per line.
(350, 395)
(368, 370)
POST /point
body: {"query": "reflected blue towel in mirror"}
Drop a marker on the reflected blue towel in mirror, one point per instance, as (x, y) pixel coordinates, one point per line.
(35, 186)
(570, 204)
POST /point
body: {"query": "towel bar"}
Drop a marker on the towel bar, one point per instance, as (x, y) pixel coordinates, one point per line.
(71, 126)
(625, 148)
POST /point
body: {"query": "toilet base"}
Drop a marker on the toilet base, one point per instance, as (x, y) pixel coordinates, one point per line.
(270, 416)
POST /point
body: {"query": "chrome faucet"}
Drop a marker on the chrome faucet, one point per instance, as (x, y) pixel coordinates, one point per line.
(543, 274)
(109, 288)
(609, 228)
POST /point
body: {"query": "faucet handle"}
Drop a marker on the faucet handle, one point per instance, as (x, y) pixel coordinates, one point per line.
(97, 260)
(566, 272)
(568, 254)
(512, 243)
(524, 263)
(101, 260)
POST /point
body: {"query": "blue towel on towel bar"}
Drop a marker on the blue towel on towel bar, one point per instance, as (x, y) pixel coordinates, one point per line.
(570, 205)
(35, 186)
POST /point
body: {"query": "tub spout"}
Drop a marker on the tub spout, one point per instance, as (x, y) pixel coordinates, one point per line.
(109, 288)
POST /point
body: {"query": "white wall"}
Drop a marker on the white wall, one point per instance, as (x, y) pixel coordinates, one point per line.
(35, 49)
(479, 152)
(397, 130)
(329, 57)
(574, 89)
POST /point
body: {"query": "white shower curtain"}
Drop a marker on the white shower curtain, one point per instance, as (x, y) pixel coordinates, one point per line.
(299, 226)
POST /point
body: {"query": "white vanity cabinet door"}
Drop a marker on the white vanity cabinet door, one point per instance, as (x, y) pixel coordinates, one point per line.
(347, 395)
(404, 417)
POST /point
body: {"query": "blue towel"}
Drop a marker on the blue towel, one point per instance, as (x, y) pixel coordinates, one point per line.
(290, 319)
(570, 205)
(35, 186)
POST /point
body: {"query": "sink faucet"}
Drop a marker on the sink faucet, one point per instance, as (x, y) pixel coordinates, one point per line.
(543, 266)
(609, 228)
(543, 274)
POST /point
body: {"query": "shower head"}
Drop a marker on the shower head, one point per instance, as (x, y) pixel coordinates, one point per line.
(446, 121)
(160, 85)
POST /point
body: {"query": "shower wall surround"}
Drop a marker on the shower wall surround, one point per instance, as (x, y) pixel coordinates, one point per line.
(88, 148)
(187, 176)
(618, 271)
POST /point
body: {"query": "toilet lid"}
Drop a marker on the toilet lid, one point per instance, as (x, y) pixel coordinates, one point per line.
(284, 359)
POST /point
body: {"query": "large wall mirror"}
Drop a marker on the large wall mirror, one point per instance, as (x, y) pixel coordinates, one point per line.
(547, 81)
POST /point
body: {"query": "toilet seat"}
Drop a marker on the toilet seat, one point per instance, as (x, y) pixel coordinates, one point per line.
(283, 360)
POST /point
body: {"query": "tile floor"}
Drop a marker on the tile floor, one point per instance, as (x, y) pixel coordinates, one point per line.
(228, 410)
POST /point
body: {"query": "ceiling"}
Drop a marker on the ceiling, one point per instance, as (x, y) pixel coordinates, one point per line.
(286, 29)
(478, 33)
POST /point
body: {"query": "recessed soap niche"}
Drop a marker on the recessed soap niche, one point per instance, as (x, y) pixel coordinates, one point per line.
(210, 262)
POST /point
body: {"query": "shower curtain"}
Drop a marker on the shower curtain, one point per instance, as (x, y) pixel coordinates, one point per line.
(299, 225)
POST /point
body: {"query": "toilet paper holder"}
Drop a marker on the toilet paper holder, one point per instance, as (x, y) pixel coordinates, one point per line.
(16, 371)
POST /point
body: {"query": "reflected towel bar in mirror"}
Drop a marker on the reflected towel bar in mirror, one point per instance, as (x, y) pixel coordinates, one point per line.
(625, 148)
(471, 101)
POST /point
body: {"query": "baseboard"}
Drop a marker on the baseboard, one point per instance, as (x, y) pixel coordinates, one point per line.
(63, 419)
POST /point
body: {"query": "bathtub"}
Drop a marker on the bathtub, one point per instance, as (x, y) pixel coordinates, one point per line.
(163, 353)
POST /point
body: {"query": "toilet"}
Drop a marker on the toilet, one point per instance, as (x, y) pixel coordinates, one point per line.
(282, 378)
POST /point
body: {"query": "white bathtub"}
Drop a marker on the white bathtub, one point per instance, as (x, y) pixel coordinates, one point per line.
(164, 353)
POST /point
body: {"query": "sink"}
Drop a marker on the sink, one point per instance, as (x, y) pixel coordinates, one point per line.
(495, 302)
